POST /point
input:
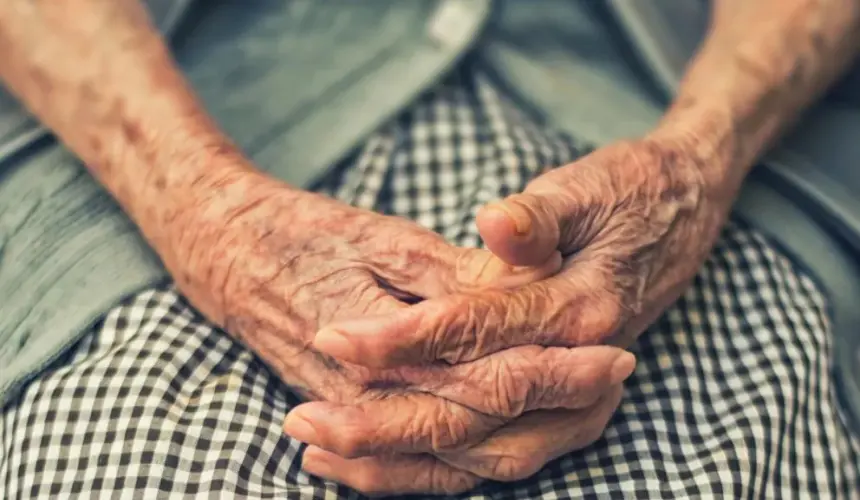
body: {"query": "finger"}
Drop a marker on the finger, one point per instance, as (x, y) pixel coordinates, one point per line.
(478, 269)
(527, 378)
(429, 267)
(399, 474)
(552, 213)
(523, 447)
(523, 229)
(573, 308)
(408, 423)
(465, 406)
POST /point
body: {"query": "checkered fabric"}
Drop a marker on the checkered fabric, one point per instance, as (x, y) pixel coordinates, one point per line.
(732, 397)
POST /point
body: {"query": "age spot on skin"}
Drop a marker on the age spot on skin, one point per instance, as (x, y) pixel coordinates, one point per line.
(96, 144)
(132, 132)
(41, 81)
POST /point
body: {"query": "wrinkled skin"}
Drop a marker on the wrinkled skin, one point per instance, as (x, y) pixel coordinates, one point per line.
(273, 265)
(633, 221)
(632, 237)
(516, 451)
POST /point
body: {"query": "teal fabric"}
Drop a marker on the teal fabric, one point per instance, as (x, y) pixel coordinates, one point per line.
(297, 84)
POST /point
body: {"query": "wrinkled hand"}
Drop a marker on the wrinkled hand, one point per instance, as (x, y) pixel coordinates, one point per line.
(515, 451)
(273, 265)
(634, 221)
(260, 258)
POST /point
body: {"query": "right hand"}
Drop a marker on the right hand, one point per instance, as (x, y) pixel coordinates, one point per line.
(272, 265)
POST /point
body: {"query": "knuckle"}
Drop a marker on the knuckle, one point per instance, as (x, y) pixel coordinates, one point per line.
(489, 321)
(423, 429)
(476, 325)
(559, 305)
(505, 398)
(560, 325)
(455, 333)
(520, 384)
(573, 386)
(585, 389)
(590, 311)
(352, 443)
(448, 430)
(602, 319)
(527, 316)
(436, 431)
(569, 389)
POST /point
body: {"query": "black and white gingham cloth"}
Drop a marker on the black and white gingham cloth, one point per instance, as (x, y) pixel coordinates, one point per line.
(732, 396)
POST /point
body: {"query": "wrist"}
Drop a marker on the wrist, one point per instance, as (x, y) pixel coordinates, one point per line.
(166, 184)
(710, 135)
(219, 192)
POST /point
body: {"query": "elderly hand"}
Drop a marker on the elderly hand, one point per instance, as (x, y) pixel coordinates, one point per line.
(513, 452)
(634, 221)
(260, 258)
(272, 265)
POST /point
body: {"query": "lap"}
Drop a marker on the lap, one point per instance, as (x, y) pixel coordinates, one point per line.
(731, 397)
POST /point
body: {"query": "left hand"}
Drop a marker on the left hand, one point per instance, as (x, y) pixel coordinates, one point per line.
(634, 221)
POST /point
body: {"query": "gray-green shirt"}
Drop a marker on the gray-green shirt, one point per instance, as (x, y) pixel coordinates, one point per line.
(296, 104)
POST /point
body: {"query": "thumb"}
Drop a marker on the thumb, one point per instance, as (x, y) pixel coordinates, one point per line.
(447, 269)
(523, 229)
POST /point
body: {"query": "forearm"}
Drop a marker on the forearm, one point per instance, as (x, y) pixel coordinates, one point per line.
(762, 63)
(98, 74)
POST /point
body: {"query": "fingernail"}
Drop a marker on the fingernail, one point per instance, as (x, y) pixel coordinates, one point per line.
(622, 368)
(299, 428)
(522, 220)
(333, 342)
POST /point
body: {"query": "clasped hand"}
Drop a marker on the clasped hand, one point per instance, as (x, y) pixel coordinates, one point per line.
(427, 367)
